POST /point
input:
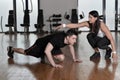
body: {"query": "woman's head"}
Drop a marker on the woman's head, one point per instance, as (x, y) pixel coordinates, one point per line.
(93, 16)
(94, 21)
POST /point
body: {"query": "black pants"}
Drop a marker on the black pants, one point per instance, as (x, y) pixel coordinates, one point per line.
(38, 51)
(98, 42)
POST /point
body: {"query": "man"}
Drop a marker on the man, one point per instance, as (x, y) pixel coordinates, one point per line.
(50, 46)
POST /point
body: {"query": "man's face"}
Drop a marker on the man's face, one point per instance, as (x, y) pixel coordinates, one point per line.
(72, 39)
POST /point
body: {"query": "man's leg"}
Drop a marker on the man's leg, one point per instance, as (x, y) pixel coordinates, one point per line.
(31, 51)
(11, 51)
(58, 55)
(19, 50)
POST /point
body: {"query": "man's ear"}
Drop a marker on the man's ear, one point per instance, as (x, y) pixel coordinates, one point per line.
(68, 37)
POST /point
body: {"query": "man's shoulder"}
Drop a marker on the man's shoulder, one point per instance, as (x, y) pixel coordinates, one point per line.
(62, 33)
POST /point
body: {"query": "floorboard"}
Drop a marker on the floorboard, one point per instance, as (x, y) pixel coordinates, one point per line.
(29, 68)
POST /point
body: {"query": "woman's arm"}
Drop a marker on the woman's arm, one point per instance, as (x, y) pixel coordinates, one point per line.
(107, 32)
(73, 25)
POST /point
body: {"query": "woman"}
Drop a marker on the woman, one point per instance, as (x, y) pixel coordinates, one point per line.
(99, 36)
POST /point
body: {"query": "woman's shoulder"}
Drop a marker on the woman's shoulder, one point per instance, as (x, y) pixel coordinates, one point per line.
(102, 22)
(102, 25)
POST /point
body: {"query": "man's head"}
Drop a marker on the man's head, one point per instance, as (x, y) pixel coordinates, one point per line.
(71, 36)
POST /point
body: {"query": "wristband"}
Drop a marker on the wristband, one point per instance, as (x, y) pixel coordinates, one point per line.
(64, 25)
(114, 52)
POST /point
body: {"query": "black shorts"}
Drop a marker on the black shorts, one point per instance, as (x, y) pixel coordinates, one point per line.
(39, 51)
(35, 51)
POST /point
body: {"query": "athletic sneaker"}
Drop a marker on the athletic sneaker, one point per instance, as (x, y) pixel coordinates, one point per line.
(10, 51)
(108, 53)
(95, 55)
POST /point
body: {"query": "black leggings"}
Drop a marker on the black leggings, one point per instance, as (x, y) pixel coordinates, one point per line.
(98, 42)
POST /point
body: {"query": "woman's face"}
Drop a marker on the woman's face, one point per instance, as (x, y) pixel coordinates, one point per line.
(92, 19)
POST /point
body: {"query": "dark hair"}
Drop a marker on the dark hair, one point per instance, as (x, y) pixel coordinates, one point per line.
(71, 32)
(96, 25)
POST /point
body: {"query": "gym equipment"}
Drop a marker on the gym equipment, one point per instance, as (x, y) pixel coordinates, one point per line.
(82, 15)
(101, 17)
(26, 19)
(10, 21)
(1, 23)
(119, 17)
(40, 22)
(67, 16)
(54, 21)
(74, 16)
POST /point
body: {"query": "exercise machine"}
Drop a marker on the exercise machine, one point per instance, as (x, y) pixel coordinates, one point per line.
(26, 19)
(10, 23)
(54, 21)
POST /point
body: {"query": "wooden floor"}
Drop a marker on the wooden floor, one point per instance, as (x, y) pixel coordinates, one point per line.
(29, 68)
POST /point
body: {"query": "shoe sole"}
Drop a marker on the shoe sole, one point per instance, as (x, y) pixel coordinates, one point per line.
(10, 52)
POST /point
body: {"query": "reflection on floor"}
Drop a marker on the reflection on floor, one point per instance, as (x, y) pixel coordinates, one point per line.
(29, 68)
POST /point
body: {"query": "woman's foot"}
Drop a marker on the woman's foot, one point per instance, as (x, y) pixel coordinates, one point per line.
(95, 55)
(108, 53)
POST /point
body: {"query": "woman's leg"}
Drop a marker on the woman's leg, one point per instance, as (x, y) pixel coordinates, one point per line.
(104, 44)
(92, 39)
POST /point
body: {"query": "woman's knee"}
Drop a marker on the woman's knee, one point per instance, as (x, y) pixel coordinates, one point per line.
(59, 57)
(102, 46)
(90, 35)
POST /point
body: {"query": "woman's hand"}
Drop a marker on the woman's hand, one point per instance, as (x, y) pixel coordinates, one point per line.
(115, 58)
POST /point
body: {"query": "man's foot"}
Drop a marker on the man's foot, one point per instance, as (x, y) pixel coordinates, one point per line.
(10, 51)
(108, 53)
(10, 61)
(95, 55)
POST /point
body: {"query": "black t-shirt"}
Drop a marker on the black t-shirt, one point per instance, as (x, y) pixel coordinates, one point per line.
(57, 40)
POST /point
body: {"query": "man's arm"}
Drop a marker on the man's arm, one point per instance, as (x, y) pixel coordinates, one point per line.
(72, 50)
(48, 50)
